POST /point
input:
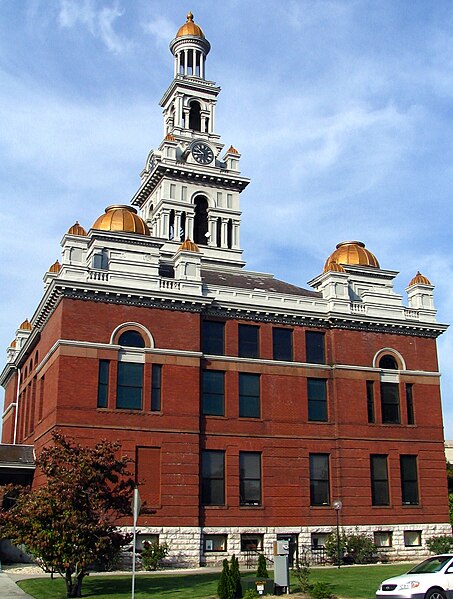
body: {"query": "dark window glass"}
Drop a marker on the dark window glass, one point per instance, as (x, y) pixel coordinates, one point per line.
(213, 393)
(317, 400)
(249, 395)
(390, 403)
(409, 479)
(101, 260)
(379, 480)
(282, 341)
(252, 542)
(131, 339)
(213, 337)
(248, 341)
(103, 383)
(156, 387)
(314, 347)
(213, 478)
(388, 362)
(250, 478)
(319, 479)
(410, 404)
(130, 386)
(370, 401)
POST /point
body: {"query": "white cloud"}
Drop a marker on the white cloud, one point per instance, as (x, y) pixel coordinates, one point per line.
(162, 29)
(98, 21)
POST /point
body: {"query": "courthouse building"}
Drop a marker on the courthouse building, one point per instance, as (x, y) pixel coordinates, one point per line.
(249, 405)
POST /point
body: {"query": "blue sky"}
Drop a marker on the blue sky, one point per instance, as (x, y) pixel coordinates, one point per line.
(342, 111)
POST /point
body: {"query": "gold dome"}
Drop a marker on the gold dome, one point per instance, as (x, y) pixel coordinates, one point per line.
(26, 325)
(56, 267)
(190, 28)
(333, 266)
(352, 252)
(121, 218)
(77, 229)
(419, 279)
(232, 150)
(13, 344)
(188, 246)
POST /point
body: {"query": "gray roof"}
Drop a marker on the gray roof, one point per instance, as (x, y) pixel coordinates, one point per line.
(251, 281)
(16, 456)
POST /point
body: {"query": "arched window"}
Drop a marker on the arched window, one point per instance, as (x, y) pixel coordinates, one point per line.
(201, 220)
(195, 116)
(131, 338)
(387, 361)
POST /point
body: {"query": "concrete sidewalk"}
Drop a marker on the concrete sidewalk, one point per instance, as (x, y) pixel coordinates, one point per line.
(9, 589)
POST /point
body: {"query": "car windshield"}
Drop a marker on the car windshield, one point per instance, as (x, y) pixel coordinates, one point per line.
(433, 564)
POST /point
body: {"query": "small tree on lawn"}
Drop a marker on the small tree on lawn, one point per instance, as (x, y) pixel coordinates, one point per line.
(262, 569)
(235, 576)
(69, 522)
(225, 589)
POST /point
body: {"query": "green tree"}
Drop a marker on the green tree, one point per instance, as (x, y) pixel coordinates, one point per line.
(225, 589)
(68, 522)
(153, 554)
(262, 569)
(235, 576)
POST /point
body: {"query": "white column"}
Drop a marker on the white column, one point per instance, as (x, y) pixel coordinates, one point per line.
(165, 232)
(224, 237)
(235, 243)
(189, 226)
(212, 119)
(186, 67)
(201, 65)
(177, 224)
(212, 223)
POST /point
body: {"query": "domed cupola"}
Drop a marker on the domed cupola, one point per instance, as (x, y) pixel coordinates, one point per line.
(419, 279)
(77, 229)
(352, 253)
(190, 48)
(121, 218)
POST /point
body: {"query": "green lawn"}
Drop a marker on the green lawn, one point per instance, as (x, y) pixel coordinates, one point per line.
(354, 582)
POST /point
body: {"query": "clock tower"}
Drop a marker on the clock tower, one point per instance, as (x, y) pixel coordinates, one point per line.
(190, 187)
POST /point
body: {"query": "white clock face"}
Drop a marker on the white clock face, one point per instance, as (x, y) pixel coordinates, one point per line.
(202, 153)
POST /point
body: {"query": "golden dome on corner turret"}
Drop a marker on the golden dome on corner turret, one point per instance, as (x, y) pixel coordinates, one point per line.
(190, 28)
(121, 218)
(333, 266)
(419, 279)
(77, 229)
(13, 344)
(56, 267)
(26, 325)
(189, 246)
(353, 253)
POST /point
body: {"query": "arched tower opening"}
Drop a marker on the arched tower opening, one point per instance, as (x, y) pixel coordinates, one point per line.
(201, 220)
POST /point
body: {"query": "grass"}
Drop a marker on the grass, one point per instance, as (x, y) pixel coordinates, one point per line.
(352, 582)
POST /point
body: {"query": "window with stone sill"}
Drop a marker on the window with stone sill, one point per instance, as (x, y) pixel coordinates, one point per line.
(214, 543)
(145, 538)
(252, 542)
(412, 538)
(318, 540)
(383, 538)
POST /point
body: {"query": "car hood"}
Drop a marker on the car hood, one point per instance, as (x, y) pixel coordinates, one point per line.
(421, 578)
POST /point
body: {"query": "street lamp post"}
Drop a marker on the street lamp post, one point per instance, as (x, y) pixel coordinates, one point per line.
(337, 505)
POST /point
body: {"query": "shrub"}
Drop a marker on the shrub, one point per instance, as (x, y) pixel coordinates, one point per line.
(153, 554)
(302, 573)
(251, 594)
(321, 590)
(225, 589)
(440, 544)
(355, 548)
(262, 569)
(235, 576)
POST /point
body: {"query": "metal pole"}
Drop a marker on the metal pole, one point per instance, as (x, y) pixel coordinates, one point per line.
(338, 538)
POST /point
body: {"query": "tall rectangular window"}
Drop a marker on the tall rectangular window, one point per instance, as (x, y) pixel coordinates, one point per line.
(213, 337)
(379, 480)
(390, 403)
(248, 341)
(409, 479)
(410, 404)
(213, 393)
(314, 347)
(103, 383)
(156, 387)
(317, 400)
(370, 401)
(282, 344)
(249, 395)
(129, 388)
(319, 479)
(212, 477)
(250, 478)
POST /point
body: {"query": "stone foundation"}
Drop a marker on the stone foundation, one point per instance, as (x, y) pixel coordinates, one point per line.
(403, 542)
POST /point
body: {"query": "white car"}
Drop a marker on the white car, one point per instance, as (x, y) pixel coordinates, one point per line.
(431, 579)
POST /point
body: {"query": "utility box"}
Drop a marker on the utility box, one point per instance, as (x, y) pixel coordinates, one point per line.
(281, 566)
